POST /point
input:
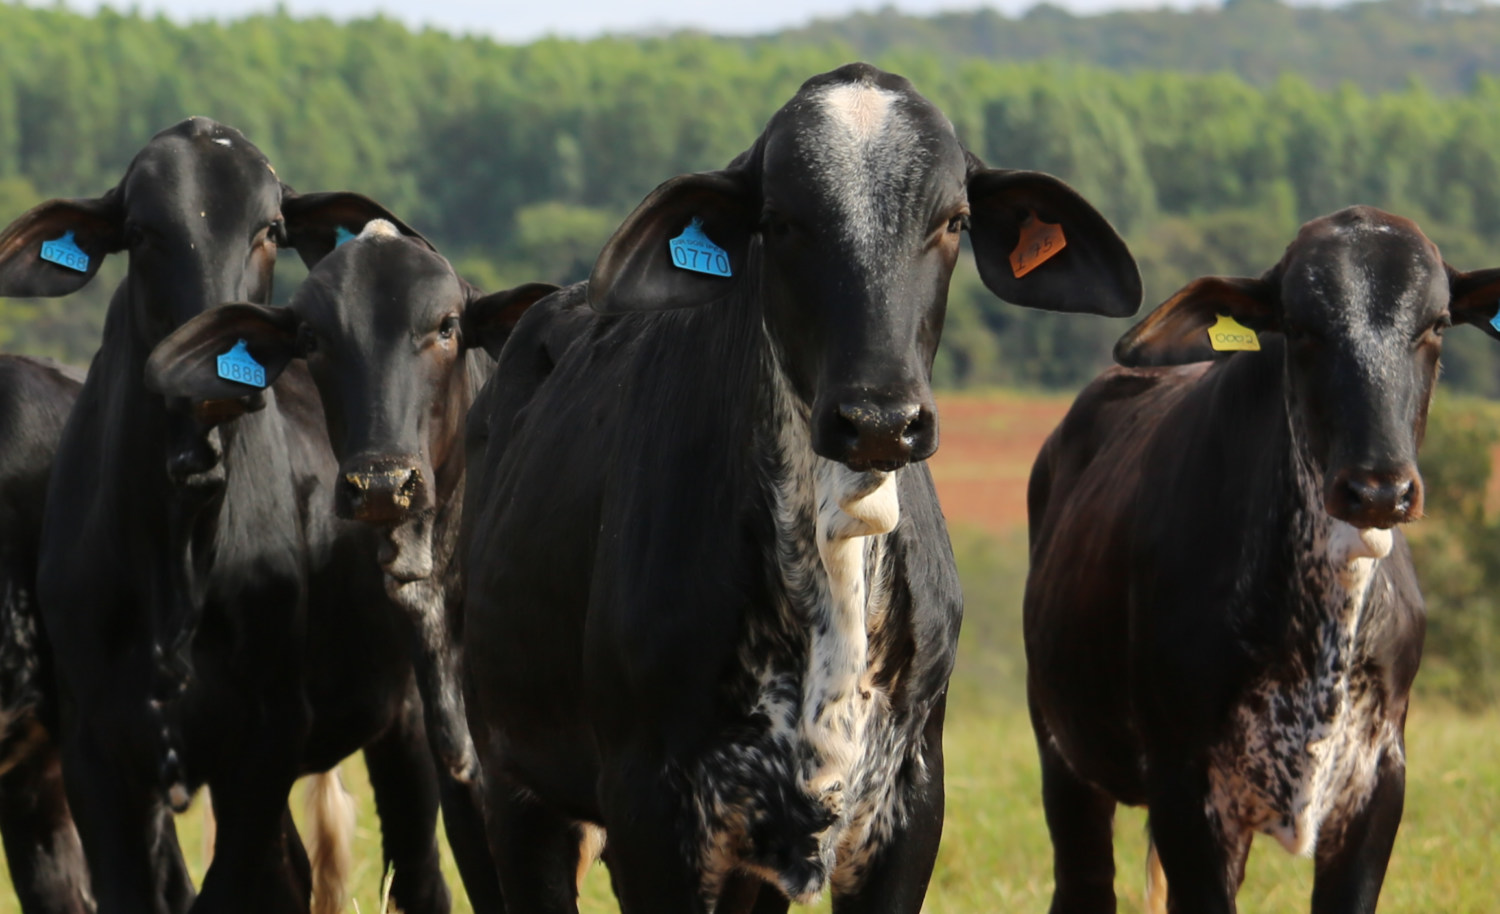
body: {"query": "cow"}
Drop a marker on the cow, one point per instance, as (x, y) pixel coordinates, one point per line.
(711, 601)
(212, 621)
(398, 346)
(1222, 621)
(41, 843)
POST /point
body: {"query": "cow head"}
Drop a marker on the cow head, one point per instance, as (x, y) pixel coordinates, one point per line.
(384, 325)
(845, 218)
(199, 213)
(1362, 299)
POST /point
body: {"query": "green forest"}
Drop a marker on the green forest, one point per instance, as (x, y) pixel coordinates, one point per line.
(519, 160)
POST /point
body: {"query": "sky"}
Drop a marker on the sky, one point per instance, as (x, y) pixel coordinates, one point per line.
(510, 20)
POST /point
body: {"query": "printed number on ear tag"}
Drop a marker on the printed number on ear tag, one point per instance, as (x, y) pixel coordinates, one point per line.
(1039, 242)
(692, 250)
(1229, 335)
(65, 252)
(342, 235)
(239, 365)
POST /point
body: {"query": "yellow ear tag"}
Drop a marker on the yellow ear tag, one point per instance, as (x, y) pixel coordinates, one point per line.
(1038, 243)
(1229, 335)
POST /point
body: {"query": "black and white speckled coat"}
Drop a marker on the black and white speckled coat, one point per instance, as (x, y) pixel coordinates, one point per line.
(711, 603)
(1221, 622)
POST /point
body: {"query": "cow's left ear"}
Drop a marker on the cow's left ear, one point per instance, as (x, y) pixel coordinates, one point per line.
(687, 244)
(489, 319)
(1040, 244)
(318, 223)
(187, 363)
(1179, 330)
(57, 247)
(1475, 298)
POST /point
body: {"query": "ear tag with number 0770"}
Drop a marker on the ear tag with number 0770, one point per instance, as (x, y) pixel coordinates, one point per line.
(1229, 335)
(65, 252)
(239, 365)
(693, 250)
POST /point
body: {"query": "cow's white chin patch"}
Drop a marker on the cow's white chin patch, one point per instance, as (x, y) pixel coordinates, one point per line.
(405, 551)
(1348, 543)
(867, 503)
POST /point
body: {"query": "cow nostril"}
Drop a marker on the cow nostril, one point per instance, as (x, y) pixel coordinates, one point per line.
(846, 424)
(919, 425)
(409, 485)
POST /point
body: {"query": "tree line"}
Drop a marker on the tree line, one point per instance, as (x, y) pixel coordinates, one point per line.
(518, 161)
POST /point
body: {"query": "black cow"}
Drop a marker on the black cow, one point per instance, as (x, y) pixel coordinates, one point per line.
(1222, 623)
(41, 843)
(398, 345)
(711, 604)
(212, 621)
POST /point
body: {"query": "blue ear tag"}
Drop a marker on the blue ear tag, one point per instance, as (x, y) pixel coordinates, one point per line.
(692, 250)
(239, 365)
(1495, 321)
(65, 252)
(342, 235)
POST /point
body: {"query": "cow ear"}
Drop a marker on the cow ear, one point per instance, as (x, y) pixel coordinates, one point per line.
(318, 223)
(187, 363)
(1475, 298)
(687, 244)
(489, 319)
(1179, 330)
(57, 247)
(1040, 244)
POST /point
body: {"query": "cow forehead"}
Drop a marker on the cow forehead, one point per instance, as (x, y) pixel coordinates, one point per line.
(200, 169)
(380, 286)
(873, 158)
(1363, 272)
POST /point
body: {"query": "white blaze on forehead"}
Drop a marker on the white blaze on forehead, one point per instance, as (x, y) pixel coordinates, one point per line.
(379, 228)
(869, 161)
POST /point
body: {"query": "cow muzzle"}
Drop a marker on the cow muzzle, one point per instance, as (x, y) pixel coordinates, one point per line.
(382, 491)
(1367, 498)
(869, 435)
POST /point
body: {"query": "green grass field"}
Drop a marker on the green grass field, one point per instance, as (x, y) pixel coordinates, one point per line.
(995, 854)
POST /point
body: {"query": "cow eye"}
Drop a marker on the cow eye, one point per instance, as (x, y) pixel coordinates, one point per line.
(307, 340)
(774, 223)
(958, 223)
(1441, 324)
(448, 329)
(134, 235)
(276, 232)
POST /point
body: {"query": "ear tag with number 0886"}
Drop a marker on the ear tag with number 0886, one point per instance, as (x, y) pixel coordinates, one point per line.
(239, 365)
(693, 250)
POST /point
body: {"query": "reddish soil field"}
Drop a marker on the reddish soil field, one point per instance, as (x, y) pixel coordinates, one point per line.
(984, 459)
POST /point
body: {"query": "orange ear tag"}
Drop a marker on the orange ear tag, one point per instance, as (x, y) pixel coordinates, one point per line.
(1039, 242)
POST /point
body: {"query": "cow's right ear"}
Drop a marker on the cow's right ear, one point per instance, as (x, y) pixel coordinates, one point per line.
(318, 223)
(687, 244)
(1178, 331)
(186, 363)
(57, 247)
(489, 319)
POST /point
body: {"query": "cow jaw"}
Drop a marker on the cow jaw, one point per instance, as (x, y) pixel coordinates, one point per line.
(405, 551)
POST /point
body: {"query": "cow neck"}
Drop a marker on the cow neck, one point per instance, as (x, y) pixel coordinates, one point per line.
(831, 524)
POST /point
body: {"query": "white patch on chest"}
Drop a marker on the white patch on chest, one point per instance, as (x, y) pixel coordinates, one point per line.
(1307, 738)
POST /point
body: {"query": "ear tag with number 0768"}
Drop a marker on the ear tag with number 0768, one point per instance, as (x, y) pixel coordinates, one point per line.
(65, 252)
(693, 250)
(239, 365)
(1229, 335)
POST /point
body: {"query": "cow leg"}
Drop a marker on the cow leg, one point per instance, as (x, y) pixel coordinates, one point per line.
(129, 837)
(648, 868)
(1200, 862)
(41, 843)
(897, 881)
(536, 851)
(1350, 871)
(1080, 821)
(463, 822)
(404, 779)
(259, 864)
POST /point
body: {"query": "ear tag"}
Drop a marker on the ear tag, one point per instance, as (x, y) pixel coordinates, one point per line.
(65, 252)
(692, 250)
(1039, 242)
(239, 365)
(341, 235)
(1495, 321)
(1229, 335)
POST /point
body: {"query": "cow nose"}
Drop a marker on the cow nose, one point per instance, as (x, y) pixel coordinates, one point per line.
(386, 492)
(865, 435)
(1375, 498)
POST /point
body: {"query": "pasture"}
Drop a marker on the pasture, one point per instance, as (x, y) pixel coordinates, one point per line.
(995, 855)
